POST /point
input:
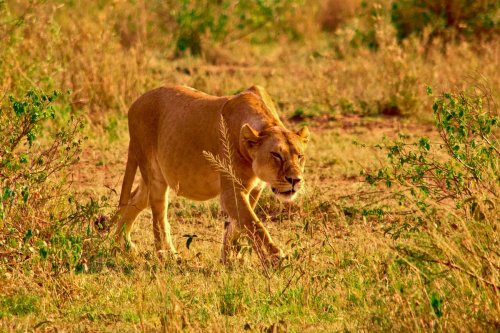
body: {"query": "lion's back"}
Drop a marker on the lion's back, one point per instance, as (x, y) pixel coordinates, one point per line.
(174, 126)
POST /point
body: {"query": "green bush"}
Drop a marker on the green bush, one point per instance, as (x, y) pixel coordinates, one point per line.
(40, 220)
(224, 21)
(27, 160)
(443, 200)
(447, 19)
(461, 170)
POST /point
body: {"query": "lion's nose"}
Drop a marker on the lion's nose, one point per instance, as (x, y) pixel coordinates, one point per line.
(293, 180)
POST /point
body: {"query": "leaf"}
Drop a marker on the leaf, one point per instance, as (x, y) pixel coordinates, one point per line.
(424, 143)
(7, 193)
(429, 90)
(189, 239)
(43, 252)
(28, 235)
(31, 137)
(25, 194)
(437, 303)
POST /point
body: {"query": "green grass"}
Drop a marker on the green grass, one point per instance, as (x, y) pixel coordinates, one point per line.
(20, 304)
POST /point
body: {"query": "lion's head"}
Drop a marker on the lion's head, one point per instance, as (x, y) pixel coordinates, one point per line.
(277, 156)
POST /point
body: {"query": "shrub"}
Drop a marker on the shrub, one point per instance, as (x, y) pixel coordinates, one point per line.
(38, 214)
(444, 200)
(460, 171)
(26, 162)
(447, 19)
(223, 21)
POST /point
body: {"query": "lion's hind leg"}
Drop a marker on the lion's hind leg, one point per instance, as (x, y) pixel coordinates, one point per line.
(161, 228)
(126, 215)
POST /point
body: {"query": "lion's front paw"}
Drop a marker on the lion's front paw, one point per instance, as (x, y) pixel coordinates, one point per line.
(165, 255)
(125, 248)
(130, 247)
(277, 257)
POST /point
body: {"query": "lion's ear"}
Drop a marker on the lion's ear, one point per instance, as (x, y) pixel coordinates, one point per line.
(304, 134)
(249, 136)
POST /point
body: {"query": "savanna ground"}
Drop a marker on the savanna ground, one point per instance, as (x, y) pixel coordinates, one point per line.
(397, 228)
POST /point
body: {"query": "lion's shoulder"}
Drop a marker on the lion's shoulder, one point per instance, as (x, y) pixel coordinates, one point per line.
(254, 104)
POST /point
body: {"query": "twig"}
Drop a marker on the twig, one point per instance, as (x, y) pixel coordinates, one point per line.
(456, 267)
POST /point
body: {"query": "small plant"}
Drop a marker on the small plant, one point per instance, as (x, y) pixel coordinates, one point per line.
(223, 164)
(231, 300)
(18, 304)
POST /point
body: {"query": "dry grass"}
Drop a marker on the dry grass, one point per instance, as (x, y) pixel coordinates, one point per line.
(344, 272)
(334, 12)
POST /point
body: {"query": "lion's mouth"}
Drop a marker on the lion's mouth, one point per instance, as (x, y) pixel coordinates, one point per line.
(289, 192)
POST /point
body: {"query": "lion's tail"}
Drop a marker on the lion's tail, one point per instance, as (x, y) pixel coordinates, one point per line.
(128, 179)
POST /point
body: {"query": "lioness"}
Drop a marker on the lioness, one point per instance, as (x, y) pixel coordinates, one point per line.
(171, 128)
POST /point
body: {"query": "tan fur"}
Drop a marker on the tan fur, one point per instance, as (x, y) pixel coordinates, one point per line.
(171, 127)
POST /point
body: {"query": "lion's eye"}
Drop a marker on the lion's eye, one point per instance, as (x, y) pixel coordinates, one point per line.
(300, 156)
(277, 156)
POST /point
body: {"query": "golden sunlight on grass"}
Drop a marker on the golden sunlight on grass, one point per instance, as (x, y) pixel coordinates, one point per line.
(397, 228)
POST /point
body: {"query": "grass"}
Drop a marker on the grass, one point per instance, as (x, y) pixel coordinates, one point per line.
(345, 271)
